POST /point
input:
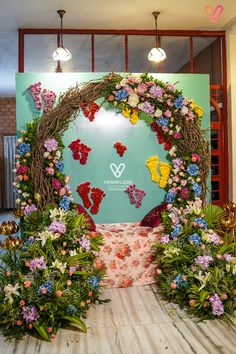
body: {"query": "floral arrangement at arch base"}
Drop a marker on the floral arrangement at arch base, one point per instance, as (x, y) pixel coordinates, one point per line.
(56, 260)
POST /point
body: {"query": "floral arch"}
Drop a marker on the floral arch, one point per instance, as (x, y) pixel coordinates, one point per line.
(190, 255)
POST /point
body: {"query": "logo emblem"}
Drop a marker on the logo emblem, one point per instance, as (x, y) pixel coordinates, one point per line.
(117, 170)
(214, 13)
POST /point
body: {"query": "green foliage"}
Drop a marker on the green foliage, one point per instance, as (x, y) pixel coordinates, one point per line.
(191, 284)
(52, 275)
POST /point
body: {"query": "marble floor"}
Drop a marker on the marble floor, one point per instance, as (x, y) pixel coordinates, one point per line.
(136, 321)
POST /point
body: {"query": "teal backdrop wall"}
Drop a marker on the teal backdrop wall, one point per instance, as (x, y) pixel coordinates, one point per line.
(101, 134)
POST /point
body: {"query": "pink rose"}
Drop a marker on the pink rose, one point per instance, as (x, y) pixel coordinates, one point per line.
(168, 113)
(50, 170)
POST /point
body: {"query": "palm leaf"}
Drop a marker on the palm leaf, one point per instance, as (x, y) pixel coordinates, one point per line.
(214, 214)
(42, 331)
(77, 321)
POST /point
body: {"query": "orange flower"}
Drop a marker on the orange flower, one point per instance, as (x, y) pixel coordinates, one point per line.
(19, 323)
(30, 326)
(25, 178)
(27, 283)
(49, 329)
(22, 303)
(58, 293)
(69, 282)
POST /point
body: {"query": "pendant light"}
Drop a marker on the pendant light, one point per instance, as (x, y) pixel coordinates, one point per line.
(61, 53)
(156, 54)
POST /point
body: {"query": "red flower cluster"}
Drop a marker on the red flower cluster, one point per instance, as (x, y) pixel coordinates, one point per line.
(160, 136)
(84, 189)
(90, 109)
(120, 148)
(80, 151)
(97, 195)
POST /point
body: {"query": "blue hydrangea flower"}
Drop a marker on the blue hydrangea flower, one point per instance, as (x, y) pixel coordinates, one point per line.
(163, 121)
(27, 243)
(71, 309)
(180, 283)
(178, 102)
(196, 239)
(197, 188)
(60, 166)
(94, 281)
(193, 169)
(23, 148)
(176, 230)
(202, 222)
(170, 197)
(121, 95)
(65, 203)
(48, 285)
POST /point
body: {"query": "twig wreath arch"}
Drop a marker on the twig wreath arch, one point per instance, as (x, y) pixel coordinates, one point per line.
(54, 122)
(52, 276)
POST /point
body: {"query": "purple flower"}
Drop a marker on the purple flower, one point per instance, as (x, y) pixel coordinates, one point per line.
(156, 91)
(30, 314)
(203, 261)
(227, 257)
(51, 144)
(165, 239)
(148, 108)
(85, 243)
(57, 226)
(177, 162)
(29, 208)
(37, 263)
(217, 305)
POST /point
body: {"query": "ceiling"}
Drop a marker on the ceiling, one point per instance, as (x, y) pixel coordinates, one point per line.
(98, 14)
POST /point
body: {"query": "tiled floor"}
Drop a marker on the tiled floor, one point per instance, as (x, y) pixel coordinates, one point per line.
(136, 321)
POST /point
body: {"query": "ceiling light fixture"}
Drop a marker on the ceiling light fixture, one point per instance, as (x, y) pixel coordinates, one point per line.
(61, 53)
(156, 54)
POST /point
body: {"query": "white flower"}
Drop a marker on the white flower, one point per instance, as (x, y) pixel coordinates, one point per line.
(58, 214)
(140, 106)
(17, 200)
(47, 235)
(59, 265)
(178, 128)
(58, 155)
(20, 140)
(11, 290)
(73, 253)
(158, 113)
(234, 270)
(133, 100)
(184, 111)
(136, 79)
(123, 82)
(203, 279)
(171, 252)
(46, 154)
(172, 150)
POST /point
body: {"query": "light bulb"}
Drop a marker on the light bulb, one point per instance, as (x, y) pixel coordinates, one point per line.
(157, 55)
(62, 54)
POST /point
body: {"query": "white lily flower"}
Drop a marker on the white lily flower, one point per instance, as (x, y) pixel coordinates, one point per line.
(11, 290)
(203, 279)
(59, 265)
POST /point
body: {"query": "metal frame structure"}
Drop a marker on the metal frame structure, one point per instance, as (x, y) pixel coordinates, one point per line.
(222, 87)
